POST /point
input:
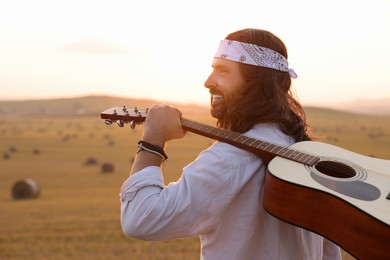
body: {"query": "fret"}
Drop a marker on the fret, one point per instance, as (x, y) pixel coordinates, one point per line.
(276, 149)
(206, 128)
(187, 123)
(215, 131)
(263, 145)
(294, 154)
(312, 160)
(234, 136)
(289, 154)
(305, 157)
(300, 156)
(283, 151)
(195, 125)
(257, 143)
(225, 134)
(231, 135)
(241, 139)
(271, 147)
(249, 141)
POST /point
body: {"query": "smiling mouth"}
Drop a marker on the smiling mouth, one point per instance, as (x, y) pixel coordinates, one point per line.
(216, 97)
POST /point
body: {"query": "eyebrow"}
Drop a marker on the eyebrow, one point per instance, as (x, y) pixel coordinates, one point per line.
(219, 66)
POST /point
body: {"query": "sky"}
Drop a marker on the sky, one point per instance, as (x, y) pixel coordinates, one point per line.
(163, 50)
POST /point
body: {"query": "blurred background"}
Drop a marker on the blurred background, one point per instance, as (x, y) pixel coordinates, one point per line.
(64, 62)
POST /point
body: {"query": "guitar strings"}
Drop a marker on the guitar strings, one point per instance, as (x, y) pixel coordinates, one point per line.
(334, 166)
(345, 168)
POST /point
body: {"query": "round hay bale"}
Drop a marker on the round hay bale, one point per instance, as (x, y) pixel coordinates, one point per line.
(6, 156)
(36, 151)
(107, 167)
(90, 161)
(26, 189)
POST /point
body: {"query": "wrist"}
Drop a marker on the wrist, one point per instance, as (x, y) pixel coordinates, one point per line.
(151, 148)
(154, 140)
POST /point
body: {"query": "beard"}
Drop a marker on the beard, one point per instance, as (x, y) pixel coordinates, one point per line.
(219, 107)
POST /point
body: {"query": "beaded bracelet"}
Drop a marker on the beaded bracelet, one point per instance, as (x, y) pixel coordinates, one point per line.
(145, 146)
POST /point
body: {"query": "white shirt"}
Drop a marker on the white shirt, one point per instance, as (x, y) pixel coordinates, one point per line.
(219, 198)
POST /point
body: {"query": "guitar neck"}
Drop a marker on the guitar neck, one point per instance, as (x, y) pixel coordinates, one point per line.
(267, 151)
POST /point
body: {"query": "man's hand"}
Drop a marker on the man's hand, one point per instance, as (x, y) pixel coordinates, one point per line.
(162, 124)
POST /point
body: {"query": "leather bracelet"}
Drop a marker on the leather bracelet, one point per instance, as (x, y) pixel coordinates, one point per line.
(145, 146)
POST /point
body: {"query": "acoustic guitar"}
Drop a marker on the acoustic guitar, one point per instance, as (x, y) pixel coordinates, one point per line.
(339, 194)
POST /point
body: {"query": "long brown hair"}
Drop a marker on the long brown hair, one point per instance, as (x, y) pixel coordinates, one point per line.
(266, 97)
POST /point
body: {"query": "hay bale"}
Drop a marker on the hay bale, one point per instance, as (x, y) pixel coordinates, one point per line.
(90, 161)
(107, 167)
(26, 189)
(36, 151)
(6, 156)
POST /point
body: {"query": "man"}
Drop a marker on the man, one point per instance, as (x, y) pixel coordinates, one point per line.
(219, 196)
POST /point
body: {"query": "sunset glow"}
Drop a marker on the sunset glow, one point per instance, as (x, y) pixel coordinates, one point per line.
(163, 49)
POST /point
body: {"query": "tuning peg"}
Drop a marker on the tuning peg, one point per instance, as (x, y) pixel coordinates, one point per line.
(132, 124)
(108, 122)
(120, 123)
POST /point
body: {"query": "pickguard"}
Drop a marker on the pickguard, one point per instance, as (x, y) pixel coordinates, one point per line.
(351, 185)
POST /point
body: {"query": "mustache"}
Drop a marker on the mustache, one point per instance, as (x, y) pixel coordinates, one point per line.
(216, 92)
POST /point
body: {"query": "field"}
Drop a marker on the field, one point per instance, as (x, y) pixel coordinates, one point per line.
(76, 215)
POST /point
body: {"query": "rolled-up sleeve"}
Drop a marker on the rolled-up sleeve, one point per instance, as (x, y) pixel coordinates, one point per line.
(148, 177)
(147, 183)
(152, 211)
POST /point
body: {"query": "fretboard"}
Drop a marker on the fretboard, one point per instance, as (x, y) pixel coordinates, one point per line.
(267, 151)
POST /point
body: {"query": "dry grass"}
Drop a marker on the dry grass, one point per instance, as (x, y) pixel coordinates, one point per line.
(77, 214)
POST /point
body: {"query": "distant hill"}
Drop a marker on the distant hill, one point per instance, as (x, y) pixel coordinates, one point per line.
(93, 105)
(366, 106)
(87, 105)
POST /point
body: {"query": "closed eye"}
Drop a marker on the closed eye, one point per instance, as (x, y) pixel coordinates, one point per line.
(221, 69)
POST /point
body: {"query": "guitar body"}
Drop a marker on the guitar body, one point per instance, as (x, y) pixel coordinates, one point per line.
(343, 197)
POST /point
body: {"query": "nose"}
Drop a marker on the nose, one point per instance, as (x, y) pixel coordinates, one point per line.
(210, 82)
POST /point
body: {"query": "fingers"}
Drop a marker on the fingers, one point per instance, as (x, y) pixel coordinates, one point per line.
(163, 124)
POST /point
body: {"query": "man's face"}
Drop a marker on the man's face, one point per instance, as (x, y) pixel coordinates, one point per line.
(223, 84)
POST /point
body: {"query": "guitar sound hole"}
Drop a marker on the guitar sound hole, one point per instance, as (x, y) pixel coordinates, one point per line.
(335, 169)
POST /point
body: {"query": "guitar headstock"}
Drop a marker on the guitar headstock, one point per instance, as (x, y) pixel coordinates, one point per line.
(124, 115)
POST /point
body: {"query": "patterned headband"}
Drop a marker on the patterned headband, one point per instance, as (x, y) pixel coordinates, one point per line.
(254, 55)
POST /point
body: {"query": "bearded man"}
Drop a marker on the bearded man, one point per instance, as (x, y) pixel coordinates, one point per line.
(219, 195)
